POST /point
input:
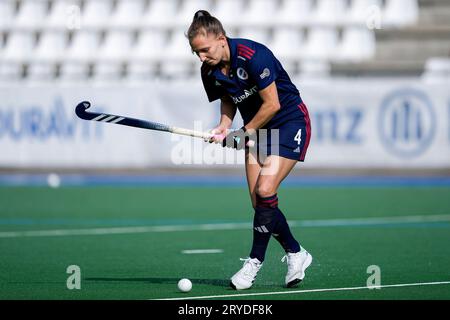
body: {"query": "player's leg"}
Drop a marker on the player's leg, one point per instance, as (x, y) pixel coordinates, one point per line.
(268, 216)
(244, 278)
(263, 182)
(274, 171)
(252, 170)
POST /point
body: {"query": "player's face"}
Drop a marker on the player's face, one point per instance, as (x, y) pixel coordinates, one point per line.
(210, 48)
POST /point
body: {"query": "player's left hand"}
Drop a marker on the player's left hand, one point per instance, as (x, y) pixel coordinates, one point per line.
(237, 139)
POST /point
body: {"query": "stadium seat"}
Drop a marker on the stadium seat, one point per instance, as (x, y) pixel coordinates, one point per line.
(177, 59)
(287, 46)
(31, 14)
(288, 42)
(20, 45)
(259, 13)
(187, 10)
(257, 34)
(358, 43)
(41, 71)
(74, 70)
(84, 45)
(117, 44)
(7, 12)
(437, 70)
(229, 12)
(144, 59)
(96, 13)
(330, 12)
(313, 69)
(400, 12)
(150, 44)
(111, 56)
(108, 71)
(81, 52)
(178, 44)
(49, 52)
(10, 72)
(159, 13)
(128, 13)
(65, 14)
(321, 43)
(363, 12)
(139, 70)
(294, 12)
(16, 54)
(52, 45)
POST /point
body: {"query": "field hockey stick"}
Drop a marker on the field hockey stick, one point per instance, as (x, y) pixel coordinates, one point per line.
(81, 112)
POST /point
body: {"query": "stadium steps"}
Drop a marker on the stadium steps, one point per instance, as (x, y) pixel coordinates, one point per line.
(434, 12)
(404, 51)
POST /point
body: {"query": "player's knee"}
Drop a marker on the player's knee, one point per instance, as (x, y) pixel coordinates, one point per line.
(265, 190)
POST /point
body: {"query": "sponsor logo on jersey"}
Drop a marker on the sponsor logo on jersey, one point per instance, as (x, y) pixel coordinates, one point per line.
(242, 74)
(247, 93)
(265, 74)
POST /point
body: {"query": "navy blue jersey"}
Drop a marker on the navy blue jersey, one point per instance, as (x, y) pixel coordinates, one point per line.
(253, 68)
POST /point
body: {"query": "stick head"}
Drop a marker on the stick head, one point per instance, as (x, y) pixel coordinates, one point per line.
(84, 104)
(80, 109)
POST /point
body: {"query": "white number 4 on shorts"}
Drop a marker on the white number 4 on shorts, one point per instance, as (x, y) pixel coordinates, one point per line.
(298, 136)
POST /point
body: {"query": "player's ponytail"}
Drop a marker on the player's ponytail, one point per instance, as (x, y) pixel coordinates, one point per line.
(204, 23)
(201, 14)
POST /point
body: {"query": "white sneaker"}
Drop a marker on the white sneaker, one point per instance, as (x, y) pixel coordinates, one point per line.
(244, 278)
(297, 264)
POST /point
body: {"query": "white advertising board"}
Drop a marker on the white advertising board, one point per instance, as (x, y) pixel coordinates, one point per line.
(355, 124)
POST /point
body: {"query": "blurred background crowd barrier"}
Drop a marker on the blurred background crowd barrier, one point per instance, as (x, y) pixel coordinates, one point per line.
(375, 75)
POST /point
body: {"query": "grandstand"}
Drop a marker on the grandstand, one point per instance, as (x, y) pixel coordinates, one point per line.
(408, 50)
(77, 40)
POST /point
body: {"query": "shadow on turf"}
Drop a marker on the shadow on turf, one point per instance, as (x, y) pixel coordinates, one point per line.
(214, 282)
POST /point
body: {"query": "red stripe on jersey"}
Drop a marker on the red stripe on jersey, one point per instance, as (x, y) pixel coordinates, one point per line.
(245, 48)
(304, 110)
(244, 54)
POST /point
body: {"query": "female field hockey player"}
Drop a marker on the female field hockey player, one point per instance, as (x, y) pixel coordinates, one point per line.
(246, 76)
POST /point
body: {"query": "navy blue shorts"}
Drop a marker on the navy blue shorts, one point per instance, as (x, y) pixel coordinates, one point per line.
(290, 140)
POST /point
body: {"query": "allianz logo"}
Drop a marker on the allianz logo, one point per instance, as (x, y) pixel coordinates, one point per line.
(407, 122)
(247, 93)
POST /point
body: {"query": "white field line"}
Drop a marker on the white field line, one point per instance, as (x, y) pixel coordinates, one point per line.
(201, 251)
(310, 291)
(223, 226)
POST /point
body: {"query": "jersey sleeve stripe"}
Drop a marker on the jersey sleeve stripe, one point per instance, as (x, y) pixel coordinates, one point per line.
(245, 48)
(244, 54)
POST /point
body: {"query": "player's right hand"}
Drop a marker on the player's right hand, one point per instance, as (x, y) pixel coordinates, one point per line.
(217, 135)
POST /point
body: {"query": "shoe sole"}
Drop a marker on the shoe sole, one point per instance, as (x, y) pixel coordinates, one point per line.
(232, 285)
(307, 263)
